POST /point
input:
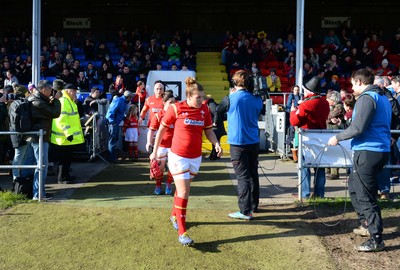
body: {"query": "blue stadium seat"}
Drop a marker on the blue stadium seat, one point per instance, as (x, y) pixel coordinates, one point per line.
(79, 56)
(77, 50)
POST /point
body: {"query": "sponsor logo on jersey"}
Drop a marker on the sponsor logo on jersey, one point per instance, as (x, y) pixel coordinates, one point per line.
(192, 122)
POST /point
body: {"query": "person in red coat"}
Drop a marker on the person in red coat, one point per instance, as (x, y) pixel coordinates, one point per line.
(311, 113)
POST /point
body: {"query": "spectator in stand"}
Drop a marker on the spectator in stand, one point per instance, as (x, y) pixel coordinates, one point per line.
(44, 108)
(249, 57)
(174, 51)
(174, 67)
(135, 65)
(333, 84)
(289, 44)
(45, 52)
(62, 46)
(102, 72)
(76, 68)
(153, 50)
(379, 54)
(82, 82)
(108, 62)
(129, 78)
(279, 50)
(91, 74)
(120, 65)
(44, 66)
(89, 50)
(189, 60)
(23, 74)
(10, 78)
(115, 115)
(159, 66)
(347, 65)
(138, 50)
(309, 40)
(308, 72)
(383, 69)
(67, 77)
(109, 80)
(289, 66)
(395, 44)
(366, 58)
(102, 51)
(234, 61)
(313, 58)
(230, 43)
(163, 55)
(331, 41)
(372, 43)
(273, 81)
(140, 94)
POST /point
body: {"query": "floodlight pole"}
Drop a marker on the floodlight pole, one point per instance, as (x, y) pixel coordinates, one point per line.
(299, 70)
(36, 36)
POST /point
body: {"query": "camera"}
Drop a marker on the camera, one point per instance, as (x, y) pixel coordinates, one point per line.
(10, 97)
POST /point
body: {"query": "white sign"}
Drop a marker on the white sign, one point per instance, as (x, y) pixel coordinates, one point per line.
(172, 80)
(334, 22)
(76, 23)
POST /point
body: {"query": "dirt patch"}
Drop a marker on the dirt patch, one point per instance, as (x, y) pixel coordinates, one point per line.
(340, 241)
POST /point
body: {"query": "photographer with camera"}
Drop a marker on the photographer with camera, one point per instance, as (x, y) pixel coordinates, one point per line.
(243, 109)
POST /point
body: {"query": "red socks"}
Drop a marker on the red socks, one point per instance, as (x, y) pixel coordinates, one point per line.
(170, 179)
(130, 150)
(135, 151)
(159, 181)
(180, 205)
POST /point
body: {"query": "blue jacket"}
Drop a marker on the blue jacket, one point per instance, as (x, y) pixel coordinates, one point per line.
(244, 109)
(116, 111)
(377, 136)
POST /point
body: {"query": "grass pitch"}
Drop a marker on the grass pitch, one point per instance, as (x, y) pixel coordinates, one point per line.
(114, 222)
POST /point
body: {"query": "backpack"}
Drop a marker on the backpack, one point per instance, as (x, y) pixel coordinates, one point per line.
(20, 115)
(24, 186)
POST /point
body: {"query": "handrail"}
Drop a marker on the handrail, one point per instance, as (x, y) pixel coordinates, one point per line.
(39, 164)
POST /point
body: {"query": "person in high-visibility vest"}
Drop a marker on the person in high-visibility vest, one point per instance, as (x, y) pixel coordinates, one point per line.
(66, 132)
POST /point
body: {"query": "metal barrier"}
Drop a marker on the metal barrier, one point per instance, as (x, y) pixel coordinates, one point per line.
(39, 164)
(96, 126)
(340, 157)
(275, 129)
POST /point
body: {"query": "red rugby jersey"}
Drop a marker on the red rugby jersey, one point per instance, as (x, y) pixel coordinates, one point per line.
(189, 124)
(155, 123)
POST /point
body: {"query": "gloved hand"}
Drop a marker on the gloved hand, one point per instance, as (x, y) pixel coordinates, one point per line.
(70, 138)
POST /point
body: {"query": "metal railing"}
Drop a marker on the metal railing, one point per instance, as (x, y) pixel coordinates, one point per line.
(39, 164)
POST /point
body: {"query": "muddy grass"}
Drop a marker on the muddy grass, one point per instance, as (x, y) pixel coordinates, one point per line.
(340, 241)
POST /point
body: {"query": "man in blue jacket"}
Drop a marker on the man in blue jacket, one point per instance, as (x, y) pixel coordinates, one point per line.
(243, 110)
(370, 134)
(115, 115)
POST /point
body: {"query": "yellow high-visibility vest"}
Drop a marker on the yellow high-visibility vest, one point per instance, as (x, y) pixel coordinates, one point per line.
(67, 124)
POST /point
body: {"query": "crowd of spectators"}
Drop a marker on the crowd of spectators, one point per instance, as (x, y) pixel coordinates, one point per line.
(335, 55)
(85, 61)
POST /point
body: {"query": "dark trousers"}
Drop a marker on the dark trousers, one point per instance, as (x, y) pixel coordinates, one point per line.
(66, 159)
(245, 163)
(363, 187)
